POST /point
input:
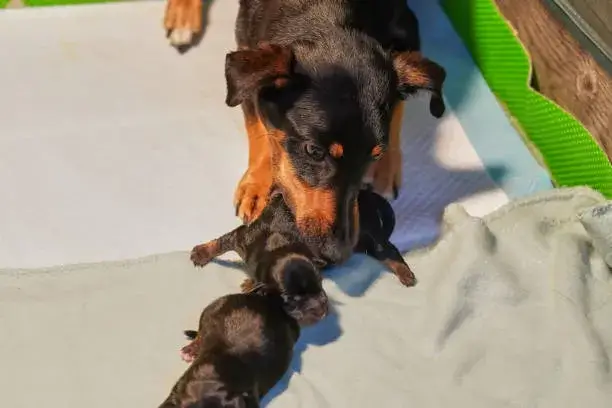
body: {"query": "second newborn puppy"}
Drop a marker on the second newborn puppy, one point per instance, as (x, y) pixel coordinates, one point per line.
(377, 221)
(243, 347)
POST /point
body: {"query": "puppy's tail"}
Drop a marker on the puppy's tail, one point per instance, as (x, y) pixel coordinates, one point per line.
(190, 334)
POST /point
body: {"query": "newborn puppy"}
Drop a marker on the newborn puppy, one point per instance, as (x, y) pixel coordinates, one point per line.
(376, 222)
(290, 270)
(242, 348)
(276, 256)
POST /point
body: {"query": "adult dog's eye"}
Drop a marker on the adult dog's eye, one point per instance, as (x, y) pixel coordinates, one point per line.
(314, 151)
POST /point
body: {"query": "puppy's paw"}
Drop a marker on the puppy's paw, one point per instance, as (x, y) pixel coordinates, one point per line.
(385, 175)
(190, 352)
(203, 253)
(248, 285)
(183, 20)
(252, 193)
(402, 271)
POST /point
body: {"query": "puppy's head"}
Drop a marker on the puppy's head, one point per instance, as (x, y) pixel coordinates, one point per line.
(329, 110)
(300, 286)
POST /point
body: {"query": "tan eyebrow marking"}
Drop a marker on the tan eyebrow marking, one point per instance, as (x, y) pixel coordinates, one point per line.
(377, 151)
(336, 150)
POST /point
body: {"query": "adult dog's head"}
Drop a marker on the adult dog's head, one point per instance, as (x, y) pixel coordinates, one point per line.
(328, 120)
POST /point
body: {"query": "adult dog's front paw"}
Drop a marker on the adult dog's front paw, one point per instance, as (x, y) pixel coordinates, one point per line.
(385, 175)
(183, 20)
(252, 193)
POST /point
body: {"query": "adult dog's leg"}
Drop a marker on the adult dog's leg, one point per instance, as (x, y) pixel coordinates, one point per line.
(251, 195)
(183, 20)
(385, 175)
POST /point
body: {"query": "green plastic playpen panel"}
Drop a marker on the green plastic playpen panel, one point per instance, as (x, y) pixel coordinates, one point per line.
(568, 149)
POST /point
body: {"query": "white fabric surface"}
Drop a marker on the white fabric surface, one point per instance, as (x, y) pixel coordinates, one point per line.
(114, 146)
(512, 310)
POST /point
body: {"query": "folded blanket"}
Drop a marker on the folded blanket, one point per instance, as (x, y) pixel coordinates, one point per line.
(511, 310)
(519, 303)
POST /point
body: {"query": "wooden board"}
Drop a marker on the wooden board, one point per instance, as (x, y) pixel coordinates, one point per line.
(565, 72)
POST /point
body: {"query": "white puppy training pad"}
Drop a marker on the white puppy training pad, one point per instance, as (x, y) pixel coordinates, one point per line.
(113, 146)
(511, 310)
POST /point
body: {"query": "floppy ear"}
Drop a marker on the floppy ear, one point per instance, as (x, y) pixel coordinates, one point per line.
(415, 72)
(249, 71)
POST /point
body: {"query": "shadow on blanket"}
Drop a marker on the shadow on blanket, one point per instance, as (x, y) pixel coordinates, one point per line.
(325, 332)
(356, 275)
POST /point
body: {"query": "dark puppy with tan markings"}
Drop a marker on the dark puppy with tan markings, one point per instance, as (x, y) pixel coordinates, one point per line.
(276, 254)
(243, 347)
(376, 224)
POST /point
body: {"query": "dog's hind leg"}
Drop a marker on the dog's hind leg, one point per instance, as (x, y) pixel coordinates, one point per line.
(391, 257)
(385, 252)
(385, 175)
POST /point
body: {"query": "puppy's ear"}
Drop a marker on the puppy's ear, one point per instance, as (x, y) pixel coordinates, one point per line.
(249, 71)
(415, 72)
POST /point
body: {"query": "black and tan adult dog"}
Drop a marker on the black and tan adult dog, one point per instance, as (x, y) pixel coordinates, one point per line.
(321, 84)
(243, 347)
